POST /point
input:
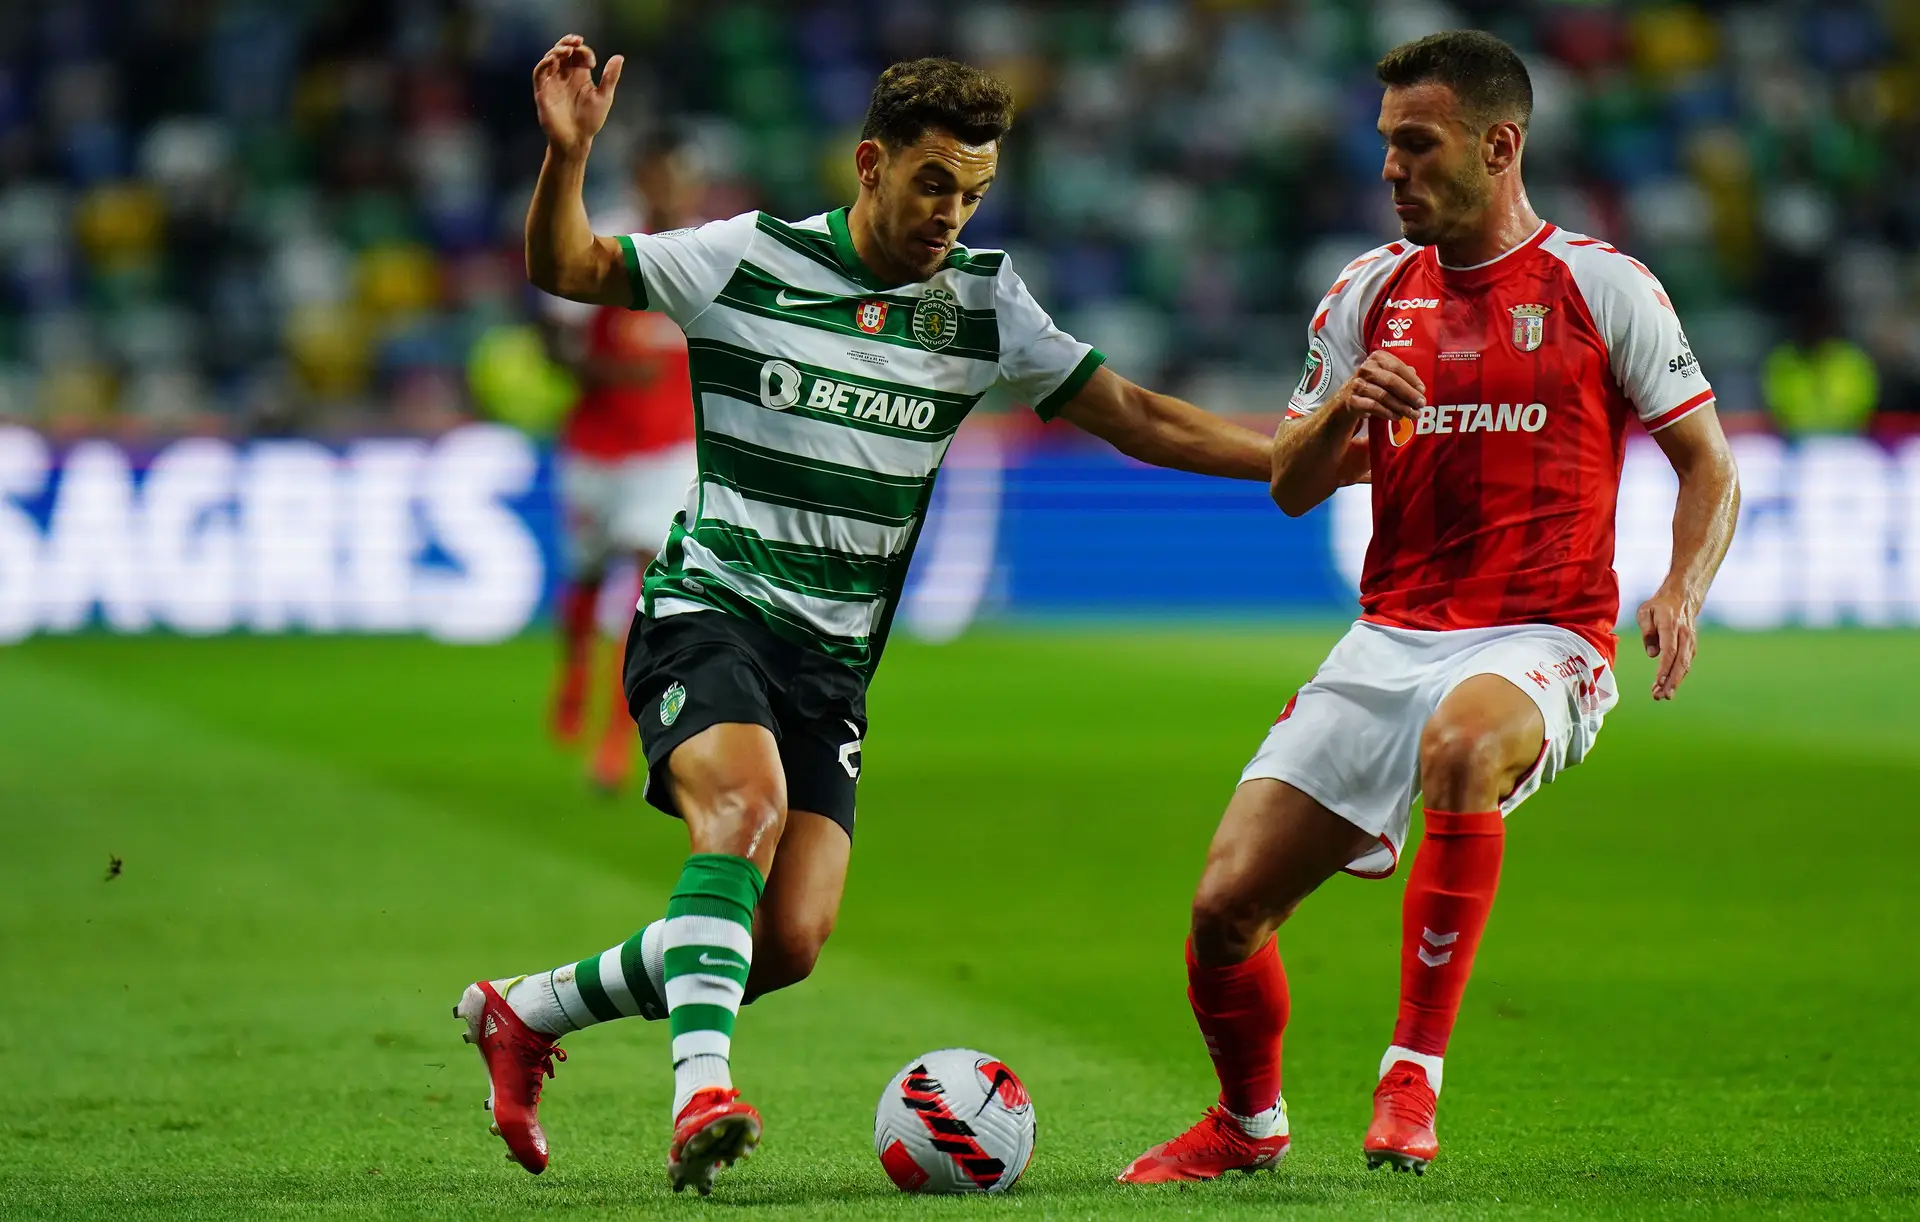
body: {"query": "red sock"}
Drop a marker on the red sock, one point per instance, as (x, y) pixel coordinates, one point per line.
(1242, 1011)
(1449, 895)
(577, 603)
(620, 721)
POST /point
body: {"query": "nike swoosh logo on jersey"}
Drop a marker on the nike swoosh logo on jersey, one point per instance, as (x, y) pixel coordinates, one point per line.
(786, 301)
(706, 961)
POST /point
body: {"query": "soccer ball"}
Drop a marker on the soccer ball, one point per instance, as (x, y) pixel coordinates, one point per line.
(955, 1120)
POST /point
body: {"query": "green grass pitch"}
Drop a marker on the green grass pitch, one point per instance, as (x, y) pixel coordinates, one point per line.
(1698, 995)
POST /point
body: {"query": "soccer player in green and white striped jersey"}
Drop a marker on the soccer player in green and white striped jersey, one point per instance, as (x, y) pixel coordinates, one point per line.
(832, 361)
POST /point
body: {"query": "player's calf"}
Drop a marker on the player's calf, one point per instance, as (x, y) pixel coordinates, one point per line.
(1273, 847)
(1474, 750)
(784, 955)
(802, 901)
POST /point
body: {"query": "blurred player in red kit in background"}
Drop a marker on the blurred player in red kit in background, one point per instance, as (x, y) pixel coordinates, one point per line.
(627, 452)
(1483, 374)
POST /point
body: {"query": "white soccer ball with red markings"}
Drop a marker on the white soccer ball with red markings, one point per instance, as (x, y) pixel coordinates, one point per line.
(955, 1120)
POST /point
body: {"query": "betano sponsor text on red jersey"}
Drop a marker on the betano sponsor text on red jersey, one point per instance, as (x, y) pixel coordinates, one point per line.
(1495, 505)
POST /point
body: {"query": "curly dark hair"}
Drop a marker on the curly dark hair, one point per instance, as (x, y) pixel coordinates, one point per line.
(1485, 73)
(911, 97)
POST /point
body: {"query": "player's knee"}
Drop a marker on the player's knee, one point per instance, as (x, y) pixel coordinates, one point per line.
(1457, 758)
(757, 815)
(736, 819)
(1229, 922)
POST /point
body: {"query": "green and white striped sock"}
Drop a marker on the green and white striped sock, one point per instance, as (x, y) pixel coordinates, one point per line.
(709, 947)
(627, 981)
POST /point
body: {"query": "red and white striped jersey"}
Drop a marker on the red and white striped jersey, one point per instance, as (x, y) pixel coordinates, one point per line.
(1497, 505)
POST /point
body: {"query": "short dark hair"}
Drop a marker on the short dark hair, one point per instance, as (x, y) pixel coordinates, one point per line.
(911, 97)
(1485, 73)
(669, 139)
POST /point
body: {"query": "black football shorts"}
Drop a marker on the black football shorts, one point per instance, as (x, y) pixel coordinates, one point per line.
(687, 672)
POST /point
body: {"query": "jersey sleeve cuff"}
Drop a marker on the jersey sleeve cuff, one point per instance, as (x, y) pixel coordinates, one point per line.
(1063, 394)
(1676, 414)
(635, 282)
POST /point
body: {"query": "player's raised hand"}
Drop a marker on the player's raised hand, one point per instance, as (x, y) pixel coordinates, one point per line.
(571, 107)
(1384, 387)
(1667, 630)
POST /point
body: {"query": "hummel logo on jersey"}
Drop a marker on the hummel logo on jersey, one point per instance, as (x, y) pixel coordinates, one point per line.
(1481, 418)
(1399, 327)
(1413, 303)
(787, 301)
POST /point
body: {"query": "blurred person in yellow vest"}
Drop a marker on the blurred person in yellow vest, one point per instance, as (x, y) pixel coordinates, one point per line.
(1819, 382)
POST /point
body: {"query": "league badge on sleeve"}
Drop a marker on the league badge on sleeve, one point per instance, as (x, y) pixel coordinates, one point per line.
(1529, 326)
(871, 316)
(1314, 377)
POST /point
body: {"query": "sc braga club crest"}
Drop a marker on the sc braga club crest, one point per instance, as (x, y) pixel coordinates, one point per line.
(1529, 326)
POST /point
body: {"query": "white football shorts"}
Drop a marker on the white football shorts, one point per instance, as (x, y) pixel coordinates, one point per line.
(614, 509)
(1350, 739)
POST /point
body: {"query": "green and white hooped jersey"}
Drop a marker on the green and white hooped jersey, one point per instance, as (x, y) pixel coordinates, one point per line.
(824, 403)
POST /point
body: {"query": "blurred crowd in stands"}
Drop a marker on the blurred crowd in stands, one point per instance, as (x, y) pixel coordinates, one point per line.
(269, 216)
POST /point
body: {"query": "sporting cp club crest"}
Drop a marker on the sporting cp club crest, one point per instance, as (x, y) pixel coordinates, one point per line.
(671, 702)
(936, 317)
(871, 316)
(1529, 326)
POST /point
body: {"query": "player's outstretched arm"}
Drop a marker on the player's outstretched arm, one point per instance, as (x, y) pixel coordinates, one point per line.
(1166, 431)
(1703, 521)
(1315, 454)
(563, 255)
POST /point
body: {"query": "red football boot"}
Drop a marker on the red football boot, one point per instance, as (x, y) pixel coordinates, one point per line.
(1402, 1129)
(716, 1129)
(1206, 1151)
(518, 1059)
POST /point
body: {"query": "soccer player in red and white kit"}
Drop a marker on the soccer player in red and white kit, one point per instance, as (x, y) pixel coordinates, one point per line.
(1484, 374)
(627, 451)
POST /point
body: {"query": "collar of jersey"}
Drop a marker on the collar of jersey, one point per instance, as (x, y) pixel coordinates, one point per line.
(1494, 266)
(850, 261)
